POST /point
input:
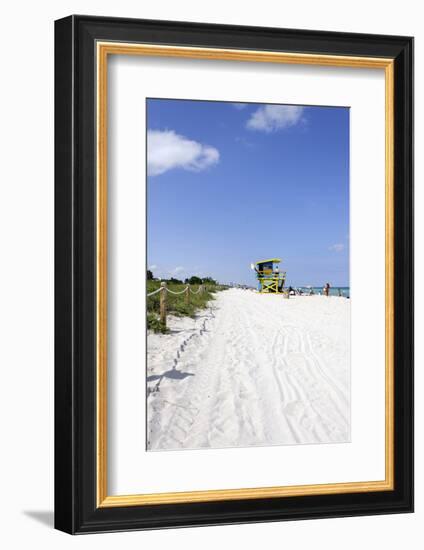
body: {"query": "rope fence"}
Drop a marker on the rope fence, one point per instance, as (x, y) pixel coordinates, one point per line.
(200, 289)
(154, 292)
(176, 293)
(164, 290)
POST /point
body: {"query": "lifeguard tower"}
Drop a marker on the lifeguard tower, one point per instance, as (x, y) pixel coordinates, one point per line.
(270, 278)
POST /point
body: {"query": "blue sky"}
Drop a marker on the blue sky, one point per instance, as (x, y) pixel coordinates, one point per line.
(229, 184)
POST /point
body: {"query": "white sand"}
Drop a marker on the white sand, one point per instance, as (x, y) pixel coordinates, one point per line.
(251, 370)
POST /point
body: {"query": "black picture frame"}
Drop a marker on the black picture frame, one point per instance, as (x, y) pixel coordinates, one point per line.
(76, 510)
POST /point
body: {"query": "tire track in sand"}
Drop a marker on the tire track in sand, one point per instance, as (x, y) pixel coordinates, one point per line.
(254, 383)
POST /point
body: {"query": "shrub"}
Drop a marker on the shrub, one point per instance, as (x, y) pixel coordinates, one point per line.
(153, 323)
(176, 304)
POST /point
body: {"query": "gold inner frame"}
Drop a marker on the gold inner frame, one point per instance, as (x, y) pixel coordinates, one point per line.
(104, 49)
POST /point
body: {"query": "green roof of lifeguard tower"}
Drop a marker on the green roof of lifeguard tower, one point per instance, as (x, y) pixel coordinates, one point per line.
(274, 260)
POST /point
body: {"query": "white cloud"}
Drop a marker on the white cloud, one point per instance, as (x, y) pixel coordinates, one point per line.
(178, 269)
(239, 106)
(167, 150)
(153, 266)
(339, 247)
(270, 118)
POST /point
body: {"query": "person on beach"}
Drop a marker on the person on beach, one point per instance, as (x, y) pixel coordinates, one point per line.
(327, 289)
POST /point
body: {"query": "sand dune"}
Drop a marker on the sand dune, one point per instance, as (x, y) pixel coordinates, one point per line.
(251, 370)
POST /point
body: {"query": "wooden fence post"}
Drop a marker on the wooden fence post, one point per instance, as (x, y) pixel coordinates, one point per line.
(187, 295)
(163, 294)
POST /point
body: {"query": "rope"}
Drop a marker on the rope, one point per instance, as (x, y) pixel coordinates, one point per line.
(181, 292)
(173, 292)
(197, 291)
(154, 292)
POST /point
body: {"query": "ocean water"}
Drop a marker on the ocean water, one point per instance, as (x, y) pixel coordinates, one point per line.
(334, 291)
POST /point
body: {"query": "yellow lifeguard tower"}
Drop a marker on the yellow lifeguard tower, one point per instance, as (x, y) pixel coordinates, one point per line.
(270, 278)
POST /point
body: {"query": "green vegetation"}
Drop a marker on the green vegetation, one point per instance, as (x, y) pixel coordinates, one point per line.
(177, 305)
(153, 323)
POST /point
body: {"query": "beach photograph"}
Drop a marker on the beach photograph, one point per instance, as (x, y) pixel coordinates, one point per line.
(247, 280)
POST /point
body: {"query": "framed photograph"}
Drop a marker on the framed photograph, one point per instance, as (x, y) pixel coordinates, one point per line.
(233, 273)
